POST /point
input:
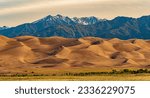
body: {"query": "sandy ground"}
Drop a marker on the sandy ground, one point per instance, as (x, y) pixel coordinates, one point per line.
(28, 54)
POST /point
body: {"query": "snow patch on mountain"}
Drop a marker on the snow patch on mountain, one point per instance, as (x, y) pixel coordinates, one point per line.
(4, 27)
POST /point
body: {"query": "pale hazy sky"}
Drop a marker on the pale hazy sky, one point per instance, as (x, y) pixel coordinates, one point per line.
(15, 12)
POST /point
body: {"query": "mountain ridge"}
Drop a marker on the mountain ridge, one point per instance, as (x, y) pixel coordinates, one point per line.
(119, 27)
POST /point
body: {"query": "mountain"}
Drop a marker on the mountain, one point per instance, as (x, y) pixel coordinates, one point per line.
(119, 27)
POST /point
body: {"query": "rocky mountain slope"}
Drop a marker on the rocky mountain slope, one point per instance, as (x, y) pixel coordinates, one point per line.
(119, 27)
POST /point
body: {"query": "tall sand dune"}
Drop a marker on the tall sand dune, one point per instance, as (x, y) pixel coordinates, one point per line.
(58, 52)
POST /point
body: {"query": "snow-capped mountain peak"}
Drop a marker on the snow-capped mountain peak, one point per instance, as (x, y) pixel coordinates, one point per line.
(86, 20)
(59, 19)
(4, 27)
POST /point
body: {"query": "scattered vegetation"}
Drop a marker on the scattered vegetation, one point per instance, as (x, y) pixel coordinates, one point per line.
(125, 71)
(113, 72)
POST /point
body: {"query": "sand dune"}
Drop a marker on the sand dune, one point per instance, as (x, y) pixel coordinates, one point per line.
(53, 52)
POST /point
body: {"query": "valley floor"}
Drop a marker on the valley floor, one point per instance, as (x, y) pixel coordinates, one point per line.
(80, 74)
(121, 77)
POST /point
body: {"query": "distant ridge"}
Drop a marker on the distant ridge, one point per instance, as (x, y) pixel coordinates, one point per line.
(119, 27)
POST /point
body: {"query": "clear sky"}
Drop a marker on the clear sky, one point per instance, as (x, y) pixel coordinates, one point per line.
(15, 12)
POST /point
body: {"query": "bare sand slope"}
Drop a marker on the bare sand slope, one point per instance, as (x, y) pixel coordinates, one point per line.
(27, 52)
